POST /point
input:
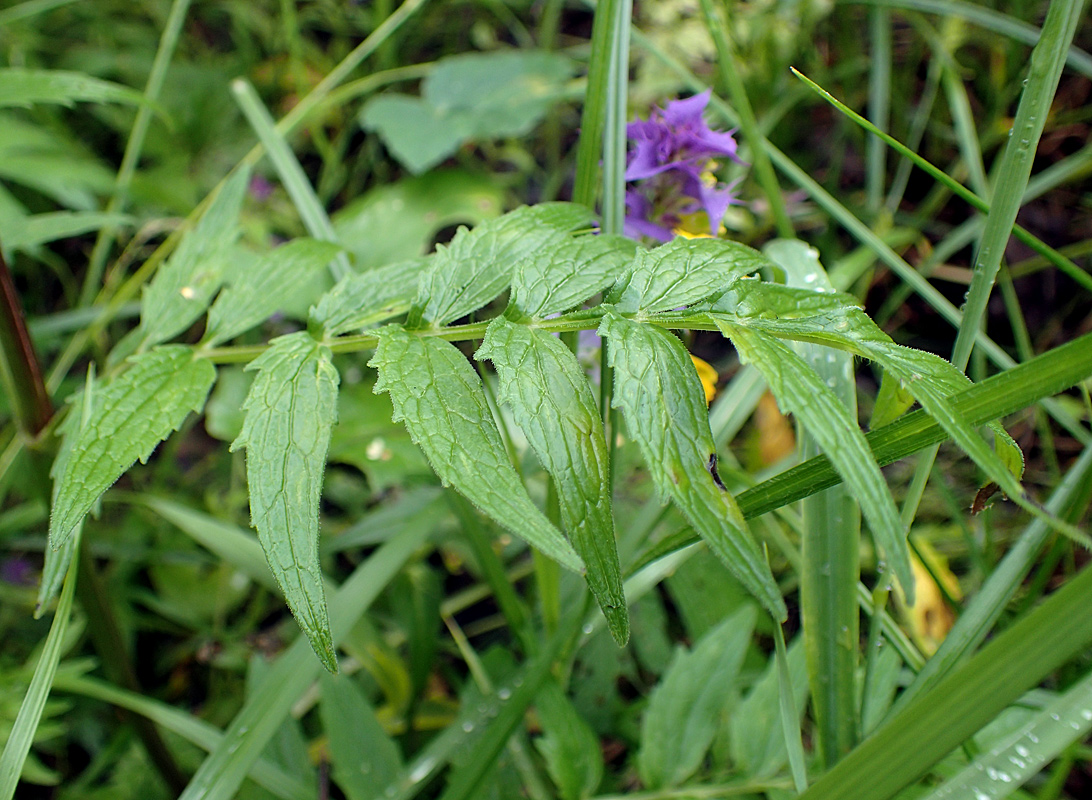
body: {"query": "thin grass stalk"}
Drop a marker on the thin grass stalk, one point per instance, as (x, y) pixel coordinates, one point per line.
(20, 373)
(1047, 62)
(988, 19)
(879, 104)
(830, 546)
(134, 148)
(291, 173)
(593, 119)
(728, 72)
(976, 621)
(26, 722)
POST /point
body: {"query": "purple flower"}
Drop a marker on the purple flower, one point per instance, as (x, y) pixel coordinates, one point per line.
(674, 156)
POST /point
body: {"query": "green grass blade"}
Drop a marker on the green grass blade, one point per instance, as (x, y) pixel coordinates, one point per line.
(973, 625)
(830, 542)
(614, 131)
(593, 119)
(1010, 763)
(220, 775)
(208, 737)
(989, 19)
(879, 104)
(30, 712)
(291, 173)
(1047, 61)
(937, 722)
(790, 716)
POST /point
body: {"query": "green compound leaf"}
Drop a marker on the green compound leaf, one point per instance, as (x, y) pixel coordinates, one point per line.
(835, 320)
(658, 391)
(801, 392)
(552, 401)
(291, 407)
(439, 397)
(477, 265)
(561, 278)
(183, 287)
(267, 285)
(685, 271)
(358, 301)
(131, 415)
(26, 87)
(687, 707)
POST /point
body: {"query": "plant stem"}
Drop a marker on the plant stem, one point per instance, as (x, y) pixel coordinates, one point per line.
(19, 370)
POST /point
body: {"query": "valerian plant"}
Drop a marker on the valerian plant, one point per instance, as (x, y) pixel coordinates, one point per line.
(560, 275)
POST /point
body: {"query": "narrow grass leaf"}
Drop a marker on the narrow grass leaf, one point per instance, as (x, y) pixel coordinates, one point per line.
(183, 287)
(291, 173)
(552, 401)
(21, 735)
(801, 392)
(364, 758)
(265, 287)
(265, 773)
(757, 740)
(291, 407)
(938, 721)
(265, 710)
(23, 88)
(790, 713)
(1020, 755)
(131, 415)
(439, 397)
(658, 391)
(577, 268)
(831, 534)
(477, 265)
(684, 271)
(685, 709)
(368, 298)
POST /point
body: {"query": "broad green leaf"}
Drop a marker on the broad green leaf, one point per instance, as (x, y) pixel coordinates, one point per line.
(568, 745)
(291, 407)
(398, 221)
(131, 415)
(364, 758)
(266, 286)
(757, 738)
(468, 97)
(552, 401)
(27, 87)
(477, 265)
(658, 391)
(439, 396)
(802, 393)
(368, 298)
(685, 709)
(563, 277)
(29, 232)
(684, 271)
(1008, 764)
(183, 287)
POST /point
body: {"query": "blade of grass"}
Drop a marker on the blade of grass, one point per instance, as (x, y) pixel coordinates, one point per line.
(30, 712)
(936, 722)
(790, 725)
(208, 737)
(728, 70)
(288, 167)
(979, 617)
(879, 104)
(594, 117)
(134, 147)
(985, 17)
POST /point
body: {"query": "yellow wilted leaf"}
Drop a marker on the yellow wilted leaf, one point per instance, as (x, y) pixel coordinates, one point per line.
(708, 377)
(930, 619)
